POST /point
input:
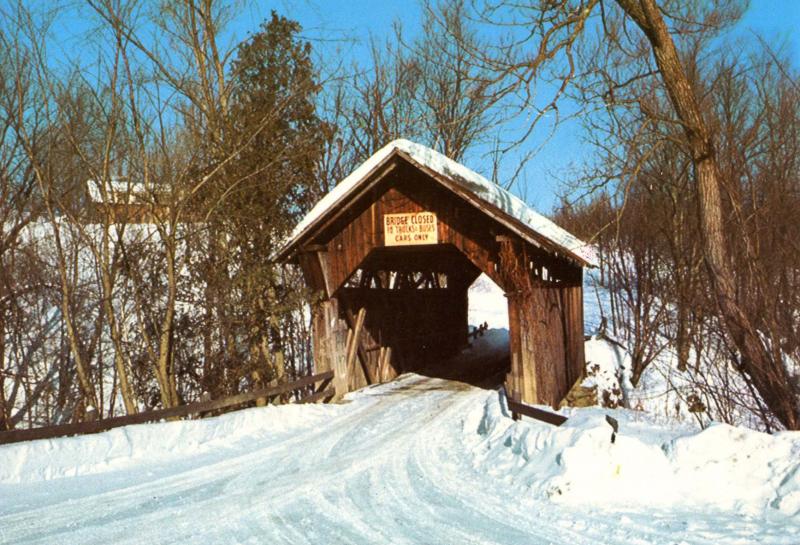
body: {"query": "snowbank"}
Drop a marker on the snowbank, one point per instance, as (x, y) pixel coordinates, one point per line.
(124, 447)
(721, 468)
(605, 363)
(416, 460)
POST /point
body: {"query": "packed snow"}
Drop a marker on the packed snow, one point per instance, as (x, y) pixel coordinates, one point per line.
(472, 181)
(418, 460)
(721, 469)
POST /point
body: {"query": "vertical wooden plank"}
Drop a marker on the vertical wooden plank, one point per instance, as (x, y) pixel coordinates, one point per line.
(558, 344)
(319, 338)
(572, 368)
(386, 372)
(322, 259)
(535, 359)
(578, 364)
(338, 348)
(379, 374)
(373, 231)
(516, 348)
(354, 339)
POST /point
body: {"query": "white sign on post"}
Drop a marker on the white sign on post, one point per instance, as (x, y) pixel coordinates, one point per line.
(410, 228)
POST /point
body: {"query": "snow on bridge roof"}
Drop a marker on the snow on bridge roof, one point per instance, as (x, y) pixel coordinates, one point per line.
(467, 179)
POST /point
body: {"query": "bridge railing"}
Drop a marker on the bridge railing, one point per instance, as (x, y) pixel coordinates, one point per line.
(314, 388)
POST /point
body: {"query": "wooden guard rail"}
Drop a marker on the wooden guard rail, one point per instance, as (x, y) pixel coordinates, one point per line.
(321, 392)
(518, 408)
(478, 331)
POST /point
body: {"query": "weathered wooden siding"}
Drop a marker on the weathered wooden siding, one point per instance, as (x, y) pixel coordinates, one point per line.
(419, 326)
(329, 335)
(546, 322)
(401, 326)
(405, 190)
(573, 328)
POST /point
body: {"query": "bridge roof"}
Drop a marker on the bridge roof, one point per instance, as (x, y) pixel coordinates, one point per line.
(468, 184)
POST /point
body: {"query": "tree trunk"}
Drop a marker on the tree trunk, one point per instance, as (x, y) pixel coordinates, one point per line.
(116, 339)
(165, 364)
(4, 411)
(84, 378)
(768, 375)
(113, 325)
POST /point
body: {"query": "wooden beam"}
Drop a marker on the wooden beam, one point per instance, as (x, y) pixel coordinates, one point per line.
(317, 396)
(384, 360)
(312, 248)
(324, 383)
(324, 267)
(354, 342)
(50, 432)
(518, 408)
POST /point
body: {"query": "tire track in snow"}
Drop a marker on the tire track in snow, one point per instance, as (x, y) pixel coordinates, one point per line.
(395, 465)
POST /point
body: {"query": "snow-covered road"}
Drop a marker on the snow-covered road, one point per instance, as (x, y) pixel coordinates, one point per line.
(398, 463)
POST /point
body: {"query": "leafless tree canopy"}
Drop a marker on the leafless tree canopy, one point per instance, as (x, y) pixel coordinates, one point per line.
(142, 196)
(145, 182)
(691, 170)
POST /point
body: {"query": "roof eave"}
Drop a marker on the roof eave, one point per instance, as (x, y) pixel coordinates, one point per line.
(509, 221)
(334, 209)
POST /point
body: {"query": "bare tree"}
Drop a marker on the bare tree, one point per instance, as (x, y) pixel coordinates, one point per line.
(610, 50)
(743, 95)
(428, 89)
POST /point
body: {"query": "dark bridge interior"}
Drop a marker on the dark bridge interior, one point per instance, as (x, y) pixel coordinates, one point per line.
(415, 302)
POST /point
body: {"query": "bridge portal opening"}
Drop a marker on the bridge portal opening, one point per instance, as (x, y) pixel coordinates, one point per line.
(412, 308)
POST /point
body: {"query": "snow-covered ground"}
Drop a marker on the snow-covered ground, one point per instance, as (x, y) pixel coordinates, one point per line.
(418, 460)
(487, 304)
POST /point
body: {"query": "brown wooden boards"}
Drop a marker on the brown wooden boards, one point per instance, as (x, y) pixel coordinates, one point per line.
(518, 408)
(394, 261)
(49, 432)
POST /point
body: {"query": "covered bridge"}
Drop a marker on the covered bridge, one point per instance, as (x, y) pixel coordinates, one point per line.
(393, 250)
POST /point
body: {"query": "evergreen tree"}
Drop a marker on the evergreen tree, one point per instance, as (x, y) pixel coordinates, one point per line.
(275, 139)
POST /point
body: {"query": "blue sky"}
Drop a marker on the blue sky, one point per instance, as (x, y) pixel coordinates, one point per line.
(340, 31)
(329, 22)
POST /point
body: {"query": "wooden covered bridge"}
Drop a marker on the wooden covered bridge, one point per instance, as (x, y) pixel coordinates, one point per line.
(393, 250)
